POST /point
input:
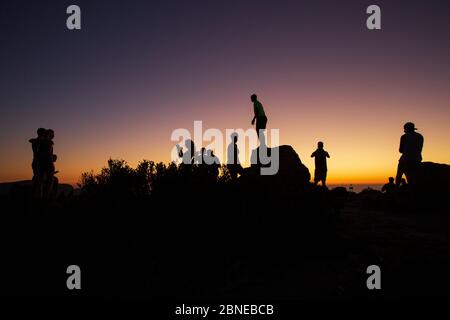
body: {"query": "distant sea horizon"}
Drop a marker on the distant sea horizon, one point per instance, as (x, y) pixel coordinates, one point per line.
(357, 187)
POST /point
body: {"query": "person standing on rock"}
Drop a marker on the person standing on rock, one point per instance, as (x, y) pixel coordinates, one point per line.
(260, 118)
(411, 144)
(320, 156)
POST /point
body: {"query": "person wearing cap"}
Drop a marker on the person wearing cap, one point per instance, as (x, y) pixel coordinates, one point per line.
(411, 144)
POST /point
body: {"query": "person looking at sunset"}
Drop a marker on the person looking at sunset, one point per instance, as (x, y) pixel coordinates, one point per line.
(260, 117)
(320, 158)
(411, 144)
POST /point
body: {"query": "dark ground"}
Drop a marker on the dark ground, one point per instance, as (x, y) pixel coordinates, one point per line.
(309, 245)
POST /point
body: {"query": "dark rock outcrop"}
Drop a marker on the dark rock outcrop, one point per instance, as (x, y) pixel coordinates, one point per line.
(433, 175)
(432, 179)
(289, 174)
(285, 209)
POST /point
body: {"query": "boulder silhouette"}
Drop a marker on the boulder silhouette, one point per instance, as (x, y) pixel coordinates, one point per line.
(284, 208)
(292, 174)
(432, 177)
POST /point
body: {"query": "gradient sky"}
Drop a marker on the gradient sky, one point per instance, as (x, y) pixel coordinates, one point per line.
(139, 69)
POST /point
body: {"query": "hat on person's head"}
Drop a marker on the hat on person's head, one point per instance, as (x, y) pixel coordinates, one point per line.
(410, 126)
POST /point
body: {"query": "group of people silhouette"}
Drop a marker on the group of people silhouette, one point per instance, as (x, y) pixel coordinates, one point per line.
(207, 161)
(411, 144)
(44, 181)
(391, 188)
(235, 169)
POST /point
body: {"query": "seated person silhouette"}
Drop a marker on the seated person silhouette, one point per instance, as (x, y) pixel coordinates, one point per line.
(390, 187)
(411, 144)
(233, 164)
(320, 157)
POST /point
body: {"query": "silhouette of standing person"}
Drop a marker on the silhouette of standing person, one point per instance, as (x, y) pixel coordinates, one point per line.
(411, 144)
(213, 165)
(320, 158)
(48, 159)
(200, 161)
(260, 118)
(233, 164)
(38, 163)
(200, 156)
(187, 157)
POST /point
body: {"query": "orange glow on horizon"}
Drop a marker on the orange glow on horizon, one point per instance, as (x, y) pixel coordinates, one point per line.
(361, 129)
(121, 94)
